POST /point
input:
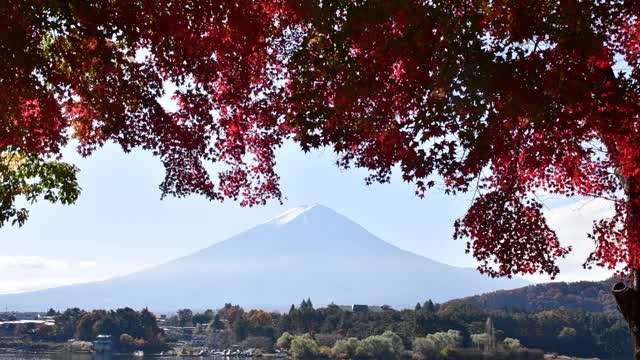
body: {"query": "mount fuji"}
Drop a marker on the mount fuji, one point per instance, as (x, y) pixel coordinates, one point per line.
(307, 252)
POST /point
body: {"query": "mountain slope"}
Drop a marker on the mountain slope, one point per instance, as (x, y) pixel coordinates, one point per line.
(582, 295)
(305, 252)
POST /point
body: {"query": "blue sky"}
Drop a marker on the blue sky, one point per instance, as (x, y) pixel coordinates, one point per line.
(120, 225)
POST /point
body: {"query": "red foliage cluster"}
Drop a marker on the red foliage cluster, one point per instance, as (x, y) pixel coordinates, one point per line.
(511, 233)
(504, 98)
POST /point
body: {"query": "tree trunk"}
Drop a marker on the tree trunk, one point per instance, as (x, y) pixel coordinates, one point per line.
(628, 298)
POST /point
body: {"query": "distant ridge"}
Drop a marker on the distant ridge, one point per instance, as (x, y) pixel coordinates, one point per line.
(581, 295)
(309, 251)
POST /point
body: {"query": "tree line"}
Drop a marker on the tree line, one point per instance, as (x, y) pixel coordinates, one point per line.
(129, 328)
(571, 332)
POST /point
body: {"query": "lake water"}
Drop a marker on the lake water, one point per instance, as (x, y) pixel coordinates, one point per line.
(69, 356)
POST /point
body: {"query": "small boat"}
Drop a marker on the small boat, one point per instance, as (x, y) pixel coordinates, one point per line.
(138, 353)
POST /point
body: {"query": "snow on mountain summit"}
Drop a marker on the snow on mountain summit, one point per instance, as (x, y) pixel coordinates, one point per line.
(290, 215)
(305, 213)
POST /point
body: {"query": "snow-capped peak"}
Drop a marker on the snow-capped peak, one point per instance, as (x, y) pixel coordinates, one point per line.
(289, 215)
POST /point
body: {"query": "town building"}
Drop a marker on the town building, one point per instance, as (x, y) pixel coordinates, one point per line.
(103, 343)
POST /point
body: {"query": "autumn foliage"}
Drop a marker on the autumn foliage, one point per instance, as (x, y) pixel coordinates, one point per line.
(503, 99)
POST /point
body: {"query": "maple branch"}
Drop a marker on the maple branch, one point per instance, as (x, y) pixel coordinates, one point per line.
(76, 23)
(477, 190)
(540, 200)
(535, 46)
(595, 196)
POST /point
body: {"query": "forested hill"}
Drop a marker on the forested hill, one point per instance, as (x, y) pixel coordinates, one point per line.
(583, 295)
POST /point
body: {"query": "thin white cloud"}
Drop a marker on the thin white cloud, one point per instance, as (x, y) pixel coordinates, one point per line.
(28, 273)
(572, 223)
(87, 264)
(32, 263)
(38, 283)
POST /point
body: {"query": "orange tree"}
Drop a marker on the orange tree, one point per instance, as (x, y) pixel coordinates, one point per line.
(502, 98)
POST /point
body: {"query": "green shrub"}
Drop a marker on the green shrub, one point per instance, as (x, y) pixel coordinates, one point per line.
(126, 340)
(345, 349)
(377, 347)
(510, 344)
(437, 344)
(284, 341)
(396, 341)
(304, 347)
(324, 351)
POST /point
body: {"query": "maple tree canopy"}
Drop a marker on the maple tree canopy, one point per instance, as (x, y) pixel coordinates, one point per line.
(500, 98)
